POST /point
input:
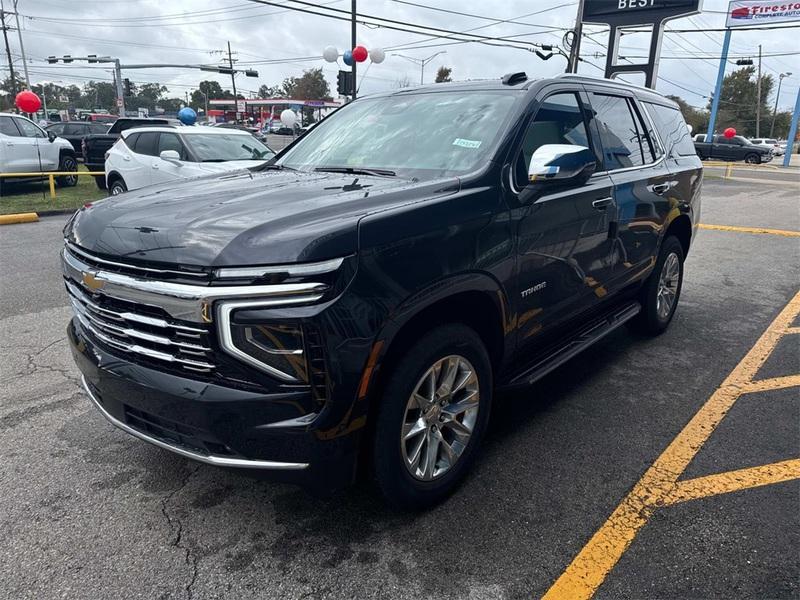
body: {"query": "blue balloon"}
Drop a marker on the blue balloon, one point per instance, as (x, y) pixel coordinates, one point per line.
(187, 116)
(347, 57)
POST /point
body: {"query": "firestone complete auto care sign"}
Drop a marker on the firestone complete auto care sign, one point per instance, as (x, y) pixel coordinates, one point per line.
(761, 12)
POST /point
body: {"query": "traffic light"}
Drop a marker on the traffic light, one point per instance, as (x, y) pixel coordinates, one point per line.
(744, 61)
(67, 58)
(52, 60)
(127, 87)
(92, 58)
(251, 73)
(344, 83)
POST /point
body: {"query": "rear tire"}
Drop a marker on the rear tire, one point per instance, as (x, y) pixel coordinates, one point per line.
(101, 182)
(440, 420)
(660, 293)
(67, 163)
(117, 187)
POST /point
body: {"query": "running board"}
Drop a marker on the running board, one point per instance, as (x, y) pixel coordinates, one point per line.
(574, 345)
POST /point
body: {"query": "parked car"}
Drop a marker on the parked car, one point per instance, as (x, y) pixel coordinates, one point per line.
(95, 146)
(150, 155)
(105, 118)
(27, 148)
(75, 131)
(254, 131)
(771, 144)
(732, 149)
(356, 301)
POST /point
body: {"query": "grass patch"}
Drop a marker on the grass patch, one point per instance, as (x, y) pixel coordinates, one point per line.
(20, 197)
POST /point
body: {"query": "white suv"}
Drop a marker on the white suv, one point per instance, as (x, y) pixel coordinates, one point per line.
(27, 148)
(770, 143)
(150, 155)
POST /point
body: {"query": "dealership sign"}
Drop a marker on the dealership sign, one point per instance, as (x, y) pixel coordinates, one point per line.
(636, 12)
(761, 12)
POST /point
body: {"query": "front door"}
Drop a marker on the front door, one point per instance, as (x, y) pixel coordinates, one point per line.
(562, 235)
(163, 171)
(19, 151)
(44, 152)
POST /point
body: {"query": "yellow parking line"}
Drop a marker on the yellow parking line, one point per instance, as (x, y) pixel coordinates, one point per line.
(765, 230)
(767, 385)
(733, 481)
(594, 562)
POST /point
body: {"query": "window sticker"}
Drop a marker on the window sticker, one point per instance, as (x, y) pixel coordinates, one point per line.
(474, 144)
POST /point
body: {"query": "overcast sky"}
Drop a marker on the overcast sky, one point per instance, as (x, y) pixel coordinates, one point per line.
(182, 31)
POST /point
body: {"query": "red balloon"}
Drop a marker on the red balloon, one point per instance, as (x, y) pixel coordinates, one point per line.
(360, 53)
(729, 132)
(28, 102)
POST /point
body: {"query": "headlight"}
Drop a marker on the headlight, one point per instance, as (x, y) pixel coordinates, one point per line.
(275, 348)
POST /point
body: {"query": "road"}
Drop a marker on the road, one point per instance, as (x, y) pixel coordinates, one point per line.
(89, 512)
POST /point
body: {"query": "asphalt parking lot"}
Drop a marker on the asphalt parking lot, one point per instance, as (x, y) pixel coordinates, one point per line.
(601, 479)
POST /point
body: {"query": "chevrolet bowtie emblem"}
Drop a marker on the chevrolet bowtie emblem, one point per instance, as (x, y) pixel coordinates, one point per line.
(91, 281)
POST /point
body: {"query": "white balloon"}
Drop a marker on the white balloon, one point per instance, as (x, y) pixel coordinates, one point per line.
(288, 118)
(330, 54)
(377, 55)
(689, 125)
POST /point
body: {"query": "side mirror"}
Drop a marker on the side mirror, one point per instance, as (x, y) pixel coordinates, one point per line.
(51, 136)
(171, 156)
(562, 163)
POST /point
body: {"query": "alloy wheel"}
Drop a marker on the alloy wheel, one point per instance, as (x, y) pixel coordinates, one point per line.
(668, 285)
(440, 417)
(71, 166)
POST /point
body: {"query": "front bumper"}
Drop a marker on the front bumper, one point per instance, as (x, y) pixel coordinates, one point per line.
(211, 423)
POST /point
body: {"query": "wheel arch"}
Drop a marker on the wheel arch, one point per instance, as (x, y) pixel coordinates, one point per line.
(681, 228)
(112, 177)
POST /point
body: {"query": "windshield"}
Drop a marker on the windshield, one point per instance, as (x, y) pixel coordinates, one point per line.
(427, 134)
(212, 147)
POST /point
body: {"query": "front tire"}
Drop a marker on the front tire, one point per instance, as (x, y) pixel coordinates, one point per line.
(660, 293)
(752, 159)
(432, 416)
(67, 163)
(117, 187)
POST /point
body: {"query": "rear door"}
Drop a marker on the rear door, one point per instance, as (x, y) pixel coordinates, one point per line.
(634, 160)
(137, 162)
(562, 236)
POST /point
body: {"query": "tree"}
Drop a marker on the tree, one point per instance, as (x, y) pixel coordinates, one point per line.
(697, 118)
(737, 102)
(98, 94)
(267, 91)
(443, 75)
(402, 82)
(311, 85)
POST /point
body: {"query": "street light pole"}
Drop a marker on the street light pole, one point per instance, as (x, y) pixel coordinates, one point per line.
(353, 41)
(421, 62)
(777, 97)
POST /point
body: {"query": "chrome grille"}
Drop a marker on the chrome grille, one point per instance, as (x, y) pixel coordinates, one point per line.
(161, 340)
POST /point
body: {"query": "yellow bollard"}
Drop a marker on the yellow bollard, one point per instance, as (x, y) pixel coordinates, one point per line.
(52, 187)
(729, 171)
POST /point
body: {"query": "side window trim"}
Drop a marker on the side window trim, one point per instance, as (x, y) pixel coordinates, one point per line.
(591, 91)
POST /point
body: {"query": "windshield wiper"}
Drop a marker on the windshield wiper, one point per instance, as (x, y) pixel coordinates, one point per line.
(273, 167)
(357, 171)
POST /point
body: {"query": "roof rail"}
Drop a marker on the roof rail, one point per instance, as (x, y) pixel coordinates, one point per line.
(605, 80)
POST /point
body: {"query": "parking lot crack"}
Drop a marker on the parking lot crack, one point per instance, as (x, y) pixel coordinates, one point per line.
(176, 527)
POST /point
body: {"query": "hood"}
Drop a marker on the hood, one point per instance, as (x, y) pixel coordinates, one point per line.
(243, 218)
(227, 166)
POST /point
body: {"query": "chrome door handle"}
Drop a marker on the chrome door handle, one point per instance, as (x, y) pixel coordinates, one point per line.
(602, 203)
(660, 188)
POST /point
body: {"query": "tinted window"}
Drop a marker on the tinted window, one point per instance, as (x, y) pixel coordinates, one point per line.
(75, 129)
(58, 129)
(625, 143)
(147, 143)
(673, 129)
(28, 129)
(170, 141)
(130, 141)
(98, 127)
(7, 127)
(559, 120)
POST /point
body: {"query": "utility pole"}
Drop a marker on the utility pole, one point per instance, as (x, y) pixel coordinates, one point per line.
(120, 92)
(353, 43)
(22, 47)
(233, 82)
(8, 50)
(777, 97)
(575, 50)
(758, 96)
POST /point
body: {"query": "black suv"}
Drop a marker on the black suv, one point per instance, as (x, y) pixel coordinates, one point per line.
(357, 300)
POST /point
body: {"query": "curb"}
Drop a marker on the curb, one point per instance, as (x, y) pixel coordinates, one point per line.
(18, 218)
(57, 211)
